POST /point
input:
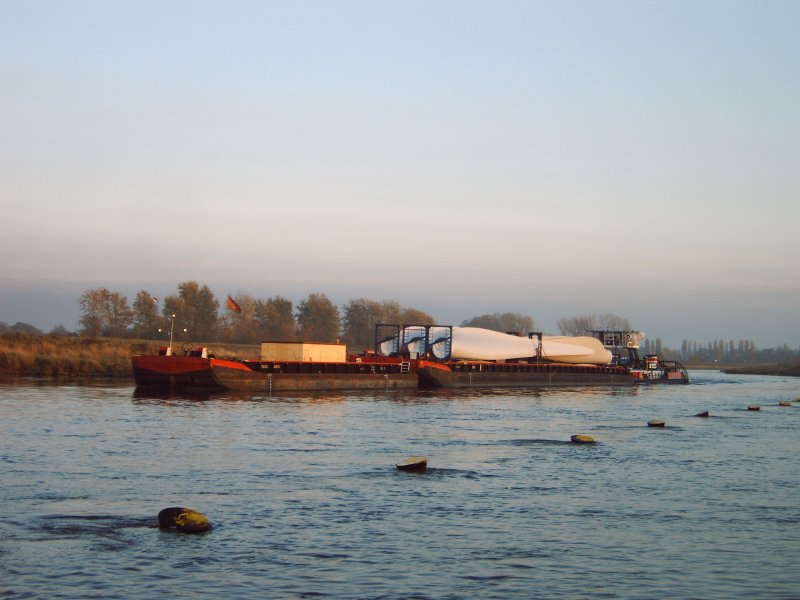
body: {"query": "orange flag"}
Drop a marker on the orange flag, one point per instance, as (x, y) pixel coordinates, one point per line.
(233, 306)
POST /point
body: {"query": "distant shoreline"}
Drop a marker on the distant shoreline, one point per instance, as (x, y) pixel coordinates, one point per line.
(785, 369)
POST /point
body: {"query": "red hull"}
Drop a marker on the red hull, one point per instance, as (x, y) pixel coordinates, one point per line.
(188, 372)
(173, 372)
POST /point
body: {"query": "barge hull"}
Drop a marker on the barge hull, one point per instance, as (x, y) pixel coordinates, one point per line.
(254, 381)
(460, 375)
(173, 372)
(196, 373)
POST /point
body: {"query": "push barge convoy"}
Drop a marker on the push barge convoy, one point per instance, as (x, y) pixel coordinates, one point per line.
(416, 356)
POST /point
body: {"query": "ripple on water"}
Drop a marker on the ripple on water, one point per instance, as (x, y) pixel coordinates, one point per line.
(306, 501)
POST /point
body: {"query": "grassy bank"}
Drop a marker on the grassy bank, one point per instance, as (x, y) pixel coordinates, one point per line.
(791, 369)
(57, 356)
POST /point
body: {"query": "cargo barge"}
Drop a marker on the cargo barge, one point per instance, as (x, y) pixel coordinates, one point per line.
(197, 369)
(411, 356)
(518, 374)
(456, 357)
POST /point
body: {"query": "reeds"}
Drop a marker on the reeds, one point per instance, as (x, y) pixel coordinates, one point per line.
(56, 356)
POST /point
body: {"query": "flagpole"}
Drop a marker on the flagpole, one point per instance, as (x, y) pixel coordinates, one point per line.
(171, 328)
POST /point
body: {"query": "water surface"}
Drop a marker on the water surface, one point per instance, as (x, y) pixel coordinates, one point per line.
(306, 502)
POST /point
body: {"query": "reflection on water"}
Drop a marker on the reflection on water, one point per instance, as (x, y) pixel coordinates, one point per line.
(305, 498)
(402, 395)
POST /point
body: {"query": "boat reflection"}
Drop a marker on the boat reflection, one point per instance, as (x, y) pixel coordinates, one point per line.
(409, 396)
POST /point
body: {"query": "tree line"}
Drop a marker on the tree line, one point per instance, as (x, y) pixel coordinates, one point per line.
(200, 317)
(724, 352)
(194, 313)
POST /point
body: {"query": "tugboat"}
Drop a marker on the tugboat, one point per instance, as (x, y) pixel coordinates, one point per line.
(624, 348)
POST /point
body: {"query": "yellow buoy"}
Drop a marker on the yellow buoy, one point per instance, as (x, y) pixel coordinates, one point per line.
(580, 438)
(753, 407)
(784, 403)
(413, 463)
(183, 519)
(656, 423)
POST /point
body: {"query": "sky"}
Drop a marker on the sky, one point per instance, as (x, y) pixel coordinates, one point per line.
(553, 159)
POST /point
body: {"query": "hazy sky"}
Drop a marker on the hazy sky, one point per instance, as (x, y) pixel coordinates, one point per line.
(462, 157)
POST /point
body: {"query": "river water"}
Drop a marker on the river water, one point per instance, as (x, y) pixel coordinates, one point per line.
(306, 501)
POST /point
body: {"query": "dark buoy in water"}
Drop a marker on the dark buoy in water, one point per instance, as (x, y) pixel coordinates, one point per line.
(580, 438)
(656, 423)
(416, 464)
(753, 407)
(702, 414)
(183, 519)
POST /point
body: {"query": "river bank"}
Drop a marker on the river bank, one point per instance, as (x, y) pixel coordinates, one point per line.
(57, 356)
(786, 369)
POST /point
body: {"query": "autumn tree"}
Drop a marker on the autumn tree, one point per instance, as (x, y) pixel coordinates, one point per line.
(318, 319)
(104, 313)
(240, 324)
(276, 320)
(195, 309)
(146, 319)
(391, 312)
(413, 316)
(359, 317)
(505, 322)
(579, 325)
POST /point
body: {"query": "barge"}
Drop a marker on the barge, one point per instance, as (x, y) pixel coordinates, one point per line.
(453, 357)
(198, 369)
(412, 356)
(518, 374)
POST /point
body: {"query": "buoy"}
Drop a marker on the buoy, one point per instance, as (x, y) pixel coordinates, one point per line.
(183, 519)
(784, 403)
(702, 414)
(413, 463)
(655, 423)
(579, 438)
(753, 407)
